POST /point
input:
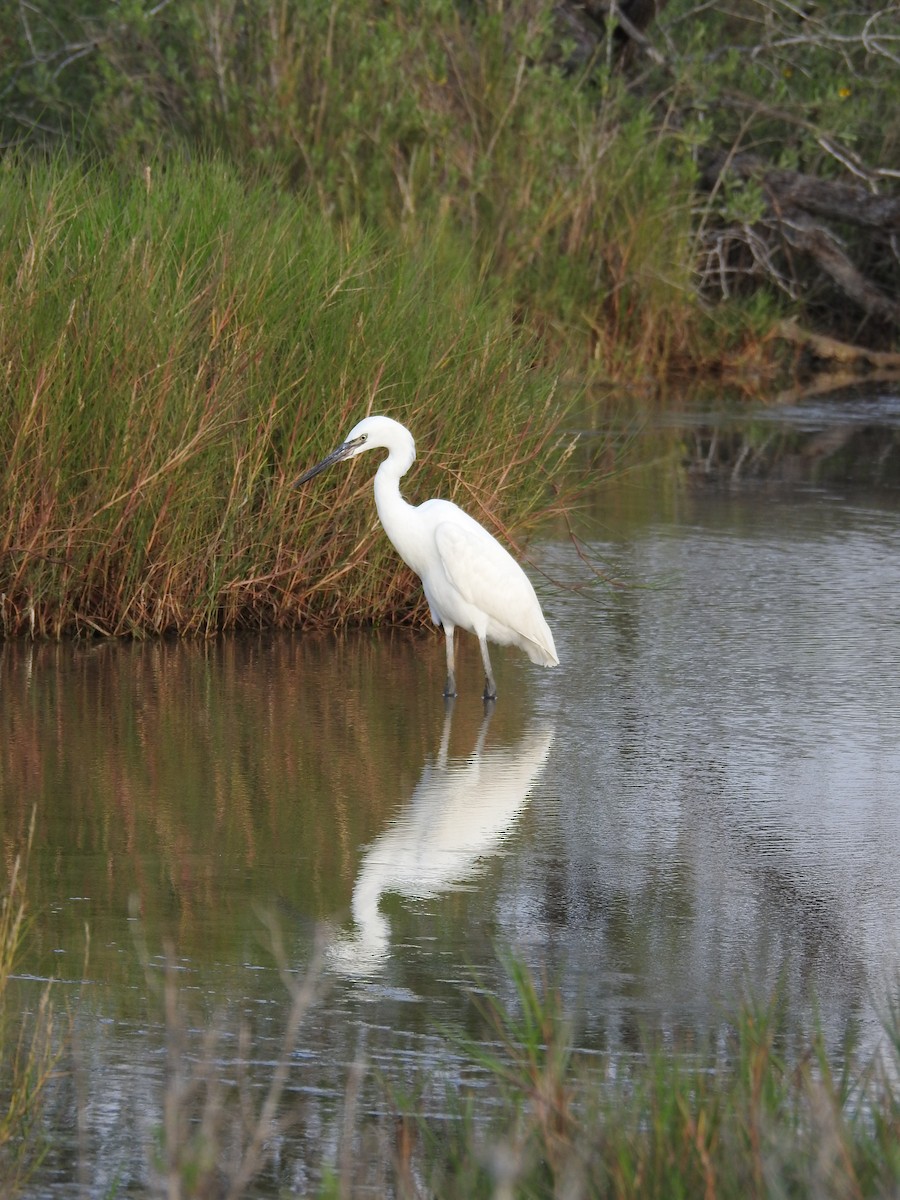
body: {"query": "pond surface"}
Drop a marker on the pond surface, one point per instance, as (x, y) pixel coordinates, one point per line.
(701, 801)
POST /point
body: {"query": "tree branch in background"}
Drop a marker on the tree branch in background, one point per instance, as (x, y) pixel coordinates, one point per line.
(797, 207)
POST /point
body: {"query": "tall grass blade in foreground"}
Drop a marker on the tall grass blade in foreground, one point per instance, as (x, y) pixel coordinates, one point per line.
(217, 1133)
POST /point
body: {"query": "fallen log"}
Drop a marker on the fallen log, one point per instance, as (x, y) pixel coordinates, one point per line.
(831, 350)
(808, 236)
(799, 207)
(833, 199)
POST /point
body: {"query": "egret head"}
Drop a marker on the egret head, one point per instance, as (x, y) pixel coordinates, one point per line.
(371, 433)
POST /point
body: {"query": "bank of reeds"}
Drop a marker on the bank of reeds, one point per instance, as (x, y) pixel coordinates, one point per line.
(176, 346)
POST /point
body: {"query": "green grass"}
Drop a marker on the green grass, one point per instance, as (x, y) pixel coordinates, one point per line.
(178, 345)
(575, 186)
(396, 118)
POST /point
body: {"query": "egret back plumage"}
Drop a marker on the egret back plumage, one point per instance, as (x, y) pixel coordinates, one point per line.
(471, 582)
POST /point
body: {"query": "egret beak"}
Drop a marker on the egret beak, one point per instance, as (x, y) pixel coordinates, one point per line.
(345, 450)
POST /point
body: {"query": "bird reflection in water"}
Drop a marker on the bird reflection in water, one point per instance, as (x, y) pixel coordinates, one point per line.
(459, 813)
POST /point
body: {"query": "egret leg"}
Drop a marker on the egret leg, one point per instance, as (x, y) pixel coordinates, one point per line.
(450, 689)
(490, 688)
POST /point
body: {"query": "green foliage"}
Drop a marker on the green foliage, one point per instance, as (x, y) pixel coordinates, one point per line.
(806, 86)
(392, 116)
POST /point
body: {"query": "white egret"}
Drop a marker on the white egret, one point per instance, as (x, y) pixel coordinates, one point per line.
(470, 581)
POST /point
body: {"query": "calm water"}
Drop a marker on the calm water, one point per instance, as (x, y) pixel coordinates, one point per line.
(702, 800)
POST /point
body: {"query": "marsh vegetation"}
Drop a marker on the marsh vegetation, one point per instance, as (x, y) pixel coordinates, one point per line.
(230, 229)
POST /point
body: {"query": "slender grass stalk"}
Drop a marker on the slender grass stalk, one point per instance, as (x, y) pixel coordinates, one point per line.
(216, 1133)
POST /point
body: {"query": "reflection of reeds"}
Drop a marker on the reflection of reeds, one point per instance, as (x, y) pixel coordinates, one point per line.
(203, 776)
(177, 347)
(28, 1041)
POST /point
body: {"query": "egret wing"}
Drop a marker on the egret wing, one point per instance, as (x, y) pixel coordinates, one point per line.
(489, 578)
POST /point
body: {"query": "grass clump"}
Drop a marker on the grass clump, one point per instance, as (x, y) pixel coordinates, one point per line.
(753, 1117)
(177, 345)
